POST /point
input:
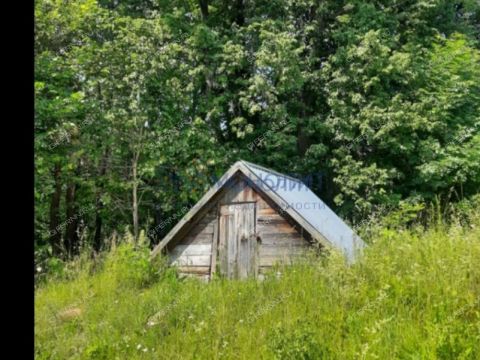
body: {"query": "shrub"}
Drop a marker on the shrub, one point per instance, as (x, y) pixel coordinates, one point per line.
(297, 343)
(131, 266)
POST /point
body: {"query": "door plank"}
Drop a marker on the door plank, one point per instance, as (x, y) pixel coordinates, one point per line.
(237, 243)
(213, 264)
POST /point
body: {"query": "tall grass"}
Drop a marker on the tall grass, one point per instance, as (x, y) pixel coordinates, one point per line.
(415, 294)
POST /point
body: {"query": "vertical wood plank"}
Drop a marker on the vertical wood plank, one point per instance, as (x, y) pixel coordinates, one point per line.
(242, 239)
(254, 244)
(252, 239)
(223, 245)
(245, 228)
(231, 246)
(213, 263)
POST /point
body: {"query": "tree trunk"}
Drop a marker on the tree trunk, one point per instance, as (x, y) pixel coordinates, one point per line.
(303, 141)
(240, 12)
(135, 196)
(158, 217)
(204, 9)
(97, 240)
(71, 235)
(55, 235)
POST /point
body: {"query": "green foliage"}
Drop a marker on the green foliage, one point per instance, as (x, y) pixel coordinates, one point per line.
(140, 106)
(132, 267)
(413, 294)
(406, 214)
(298, 343)
(56, 269)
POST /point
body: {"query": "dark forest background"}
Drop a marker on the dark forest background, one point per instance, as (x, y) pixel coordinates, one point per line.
(141, 105)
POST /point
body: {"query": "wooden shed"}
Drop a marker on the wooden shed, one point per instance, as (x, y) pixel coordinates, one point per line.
(252, 218)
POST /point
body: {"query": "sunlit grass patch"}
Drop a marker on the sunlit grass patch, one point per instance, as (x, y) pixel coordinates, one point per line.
(414, 294)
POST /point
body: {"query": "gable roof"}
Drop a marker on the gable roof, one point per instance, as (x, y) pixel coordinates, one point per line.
(287, 193)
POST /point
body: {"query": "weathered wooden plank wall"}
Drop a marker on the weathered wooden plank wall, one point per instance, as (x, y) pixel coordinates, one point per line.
(281, 239)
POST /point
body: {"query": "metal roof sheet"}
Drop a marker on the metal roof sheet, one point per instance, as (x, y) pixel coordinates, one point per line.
(296, 195)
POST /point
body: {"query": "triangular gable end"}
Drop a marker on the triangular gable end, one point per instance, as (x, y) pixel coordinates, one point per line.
(314, 221)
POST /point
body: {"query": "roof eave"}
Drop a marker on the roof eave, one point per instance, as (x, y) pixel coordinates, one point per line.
(316, 235)
(193, 211)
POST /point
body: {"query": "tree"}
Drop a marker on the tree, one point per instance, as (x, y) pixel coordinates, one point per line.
(141, 105)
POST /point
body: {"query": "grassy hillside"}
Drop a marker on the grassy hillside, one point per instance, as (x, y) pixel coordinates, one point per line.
(414, 295)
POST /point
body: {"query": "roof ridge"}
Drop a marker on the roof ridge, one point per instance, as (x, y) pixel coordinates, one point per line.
(247, 163)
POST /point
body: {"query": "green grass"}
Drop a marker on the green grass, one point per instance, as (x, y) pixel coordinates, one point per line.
(414, 295)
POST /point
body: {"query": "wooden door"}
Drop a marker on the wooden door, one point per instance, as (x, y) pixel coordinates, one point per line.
(237, 245)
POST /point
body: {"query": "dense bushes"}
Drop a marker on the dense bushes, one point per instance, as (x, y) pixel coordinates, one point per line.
(373, 101)
(131, 267)
(414, 294)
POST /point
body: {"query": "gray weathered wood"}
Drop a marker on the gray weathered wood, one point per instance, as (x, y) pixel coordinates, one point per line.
(191, 260)
(194, 249)
(273, 241)
(273, 260)
(282, 251)
(197, 239)
(231, 246)
(201, 270)
(236, 244)
(213, 260)
(245, 228)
